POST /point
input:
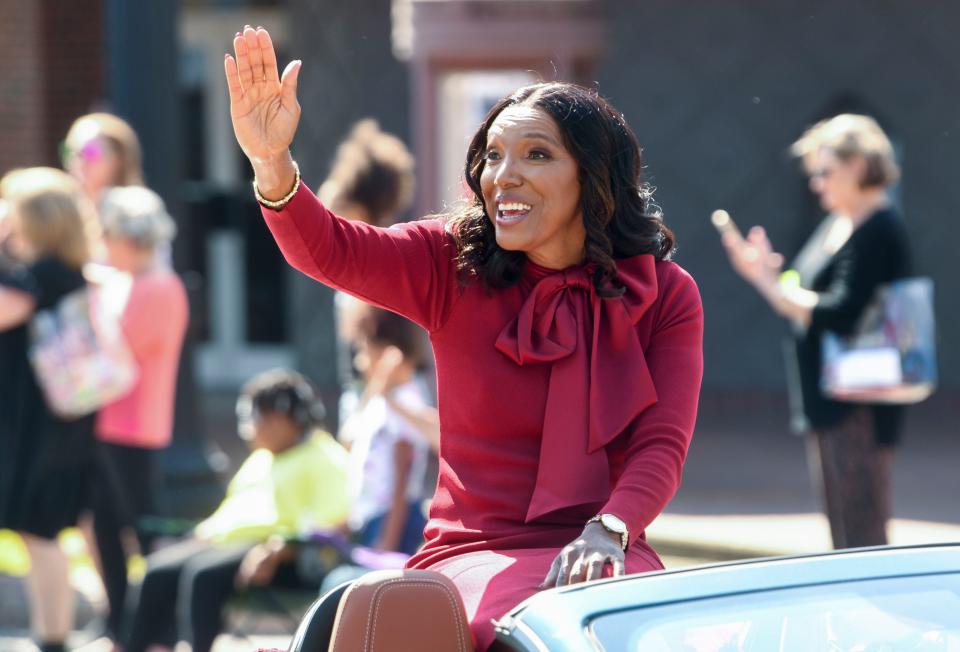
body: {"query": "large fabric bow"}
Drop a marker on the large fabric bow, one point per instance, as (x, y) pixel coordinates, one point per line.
(599, 381)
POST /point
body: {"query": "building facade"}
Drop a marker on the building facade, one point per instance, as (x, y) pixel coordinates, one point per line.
(715, 91)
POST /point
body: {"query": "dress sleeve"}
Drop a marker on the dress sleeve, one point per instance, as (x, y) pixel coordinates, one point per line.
(862, 266)
(407, 268)
(660, 436)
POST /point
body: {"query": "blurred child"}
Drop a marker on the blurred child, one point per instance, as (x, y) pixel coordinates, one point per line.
(294, 481)
(388, 453)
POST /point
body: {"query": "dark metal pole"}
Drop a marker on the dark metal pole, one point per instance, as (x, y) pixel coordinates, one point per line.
(143, 87)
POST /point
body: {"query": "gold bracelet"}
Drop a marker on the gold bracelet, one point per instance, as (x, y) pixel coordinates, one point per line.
(279, 204)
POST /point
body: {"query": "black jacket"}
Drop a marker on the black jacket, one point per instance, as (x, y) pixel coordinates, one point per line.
(875, 254)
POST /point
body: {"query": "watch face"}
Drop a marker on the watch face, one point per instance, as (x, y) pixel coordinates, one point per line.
(612, 523)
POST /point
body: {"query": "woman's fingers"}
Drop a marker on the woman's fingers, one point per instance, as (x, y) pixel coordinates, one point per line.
(578, 569)
(551, 578)
(563, 574)
(256, 92)
(595, 568)
(574, 565)
(269, 56)
(618, 570)
(243, 61)
(288, 83)
(233, 79)
(256, 62)
(256, 57)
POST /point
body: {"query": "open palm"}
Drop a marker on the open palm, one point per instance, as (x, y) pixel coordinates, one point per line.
(263, 105)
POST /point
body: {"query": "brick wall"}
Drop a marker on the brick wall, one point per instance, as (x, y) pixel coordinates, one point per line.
(20, 85)
(73, 46)
(51, 70)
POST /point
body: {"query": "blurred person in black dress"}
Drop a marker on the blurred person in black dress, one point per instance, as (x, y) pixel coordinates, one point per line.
(46, 462)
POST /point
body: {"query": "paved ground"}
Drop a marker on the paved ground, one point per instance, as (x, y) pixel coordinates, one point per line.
(745, 493)
(746, 488)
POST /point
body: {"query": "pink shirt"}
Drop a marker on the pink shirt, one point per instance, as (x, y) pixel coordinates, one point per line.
(154, 322)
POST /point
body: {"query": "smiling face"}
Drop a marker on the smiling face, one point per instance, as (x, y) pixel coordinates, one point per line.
(531, 188)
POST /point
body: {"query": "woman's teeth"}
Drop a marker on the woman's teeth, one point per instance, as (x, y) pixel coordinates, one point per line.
(514, 211)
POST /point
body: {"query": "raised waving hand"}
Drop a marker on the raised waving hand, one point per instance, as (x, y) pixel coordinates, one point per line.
(263, 108)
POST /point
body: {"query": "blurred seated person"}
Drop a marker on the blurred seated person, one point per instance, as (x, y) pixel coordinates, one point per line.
(293, 482)
(388, 451)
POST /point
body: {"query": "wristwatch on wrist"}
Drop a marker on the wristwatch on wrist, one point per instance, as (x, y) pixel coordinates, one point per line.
(615, 525)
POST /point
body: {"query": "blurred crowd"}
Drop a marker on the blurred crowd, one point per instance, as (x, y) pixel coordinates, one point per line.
(93, 323)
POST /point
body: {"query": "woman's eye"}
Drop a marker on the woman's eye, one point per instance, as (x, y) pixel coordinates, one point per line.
(539, 154)
(492, 155)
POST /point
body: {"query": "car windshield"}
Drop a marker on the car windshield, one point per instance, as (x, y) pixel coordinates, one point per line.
(904, 614)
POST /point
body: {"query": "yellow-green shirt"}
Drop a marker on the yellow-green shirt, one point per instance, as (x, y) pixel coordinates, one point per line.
(302, 489)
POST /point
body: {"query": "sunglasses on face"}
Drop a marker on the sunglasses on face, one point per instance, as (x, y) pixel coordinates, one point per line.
(92, 150)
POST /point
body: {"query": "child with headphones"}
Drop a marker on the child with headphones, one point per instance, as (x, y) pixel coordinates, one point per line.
(294, 481)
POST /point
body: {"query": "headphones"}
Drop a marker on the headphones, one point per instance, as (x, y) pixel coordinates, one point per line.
(301, 404)
(293, 397)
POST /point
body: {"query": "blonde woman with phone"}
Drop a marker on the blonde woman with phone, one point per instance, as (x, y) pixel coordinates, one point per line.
(860, 245)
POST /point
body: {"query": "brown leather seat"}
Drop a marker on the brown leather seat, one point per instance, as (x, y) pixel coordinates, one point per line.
(401, 611)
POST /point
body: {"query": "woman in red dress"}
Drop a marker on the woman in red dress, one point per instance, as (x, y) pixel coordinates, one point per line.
(568, 346)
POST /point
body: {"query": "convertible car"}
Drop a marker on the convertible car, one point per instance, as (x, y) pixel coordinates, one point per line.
(887, 599)
(866, 600)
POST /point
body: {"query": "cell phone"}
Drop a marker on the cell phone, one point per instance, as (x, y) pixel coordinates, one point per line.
(724, 223)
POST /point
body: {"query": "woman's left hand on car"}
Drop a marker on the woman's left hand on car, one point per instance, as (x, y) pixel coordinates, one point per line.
(585, 558)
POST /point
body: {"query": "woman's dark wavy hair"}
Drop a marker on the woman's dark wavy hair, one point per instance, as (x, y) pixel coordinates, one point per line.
(619, 215)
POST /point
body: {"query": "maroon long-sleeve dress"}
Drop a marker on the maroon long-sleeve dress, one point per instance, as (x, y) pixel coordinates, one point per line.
(555, 404)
